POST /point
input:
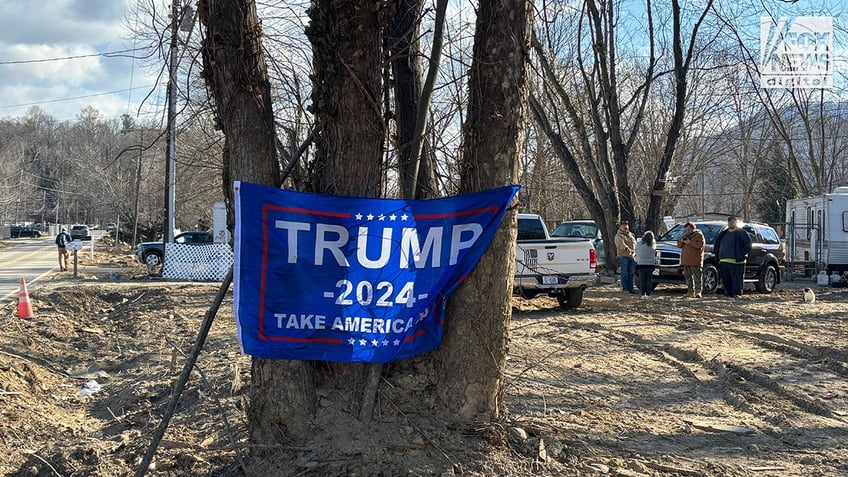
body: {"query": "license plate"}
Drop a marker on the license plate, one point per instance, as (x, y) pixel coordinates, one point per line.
(656, 271)
(549, 280)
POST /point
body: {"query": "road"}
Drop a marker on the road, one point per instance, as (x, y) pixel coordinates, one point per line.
(30, 259)
(27, 258)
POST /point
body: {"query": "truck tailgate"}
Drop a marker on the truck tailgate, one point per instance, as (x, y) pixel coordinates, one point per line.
(553, 257)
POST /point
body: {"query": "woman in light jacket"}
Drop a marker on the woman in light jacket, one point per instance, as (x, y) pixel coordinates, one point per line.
(646, 261)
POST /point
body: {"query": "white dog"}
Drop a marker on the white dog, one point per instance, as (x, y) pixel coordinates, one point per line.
(809, 296)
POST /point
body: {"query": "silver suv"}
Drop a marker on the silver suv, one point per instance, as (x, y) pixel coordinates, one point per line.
(80, 232)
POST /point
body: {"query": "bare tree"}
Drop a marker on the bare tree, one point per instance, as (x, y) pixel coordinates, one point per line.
(592, 107)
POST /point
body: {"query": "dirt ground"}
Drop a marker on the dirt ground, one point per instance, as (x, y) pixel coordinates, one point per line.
(668, 387)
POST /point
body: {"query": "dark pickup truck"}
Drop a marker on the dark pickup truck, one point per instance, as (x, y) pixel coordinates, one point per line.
(152, 253)
(765, 265)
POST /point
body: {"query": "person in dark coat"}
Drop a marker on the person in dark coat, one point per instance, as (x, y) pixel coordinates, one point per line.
(61, 241)
(731, 248)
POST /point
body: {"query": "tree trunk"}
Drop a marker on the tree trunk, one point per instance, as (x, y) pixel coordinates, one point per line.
(346, 60)
(235, 71)
(348, 161)
(681, 70)
(477, 332)
(402, 46)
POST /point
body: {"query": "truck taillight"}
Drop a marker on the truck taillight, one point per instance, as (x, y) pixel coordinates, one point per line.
(593, 258)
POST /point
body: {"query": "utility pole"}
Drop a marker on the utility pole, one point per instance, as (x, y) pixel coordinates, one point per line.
(170, 168)
(137, 189)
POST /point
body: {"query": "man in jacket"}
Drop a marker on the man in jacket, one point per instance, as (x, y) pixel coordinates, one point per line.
(731, 248)
(692, 259)
(625, 246)
(61, 241)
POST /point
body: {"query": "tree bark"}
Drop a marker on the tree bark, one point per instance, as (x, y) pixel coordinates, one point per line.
(402, 45)
(236, 74)
(235, 71)
(473, 353)
(346, 60)
(348, 139)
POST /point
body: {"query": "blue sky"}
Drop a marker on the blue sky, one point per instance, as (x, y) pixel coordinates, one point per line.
(62, 28)
(35, 30)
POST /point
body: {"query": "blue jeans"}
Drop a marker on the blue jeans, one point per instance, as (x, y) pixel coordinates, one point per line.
(628, 269)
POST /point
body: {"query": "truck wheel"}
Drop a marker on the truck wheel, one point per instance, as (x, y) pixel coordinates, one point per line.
(153, 259)
(767, 281)
(529, 294)
(570, 298)
(710, 279)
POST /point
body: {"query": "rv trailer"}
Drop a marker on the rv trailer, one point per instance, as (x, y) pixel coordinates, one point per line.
(817, 231)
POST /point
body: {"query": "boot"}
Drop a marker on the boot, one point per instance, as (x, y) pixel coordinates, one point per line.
(691, 294)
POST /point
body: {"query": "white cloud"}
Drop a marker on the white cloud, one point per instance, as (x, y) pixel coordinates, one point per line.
(62, 28)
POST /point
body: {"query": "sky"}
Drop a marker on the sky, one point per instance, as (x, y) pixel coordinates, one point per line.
(48, 29)
(115, 84)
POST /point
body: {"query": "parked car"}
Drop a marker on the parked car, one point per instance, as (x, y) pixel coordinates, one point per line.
(584, 229)
(558, 267)
(152, 253)
(17, 231)
(111, 226)
(80, 232)
(764, 267)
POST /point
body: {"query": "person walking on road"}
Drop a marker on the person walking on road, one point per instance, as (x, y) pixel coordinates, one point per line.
(646, 261)
(625, 246)
(731, 247)
(692, 259)
(62, 241)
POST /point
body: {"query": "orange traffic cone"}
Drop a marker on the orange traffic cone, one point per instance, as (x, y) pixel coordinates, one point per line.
(24, 306)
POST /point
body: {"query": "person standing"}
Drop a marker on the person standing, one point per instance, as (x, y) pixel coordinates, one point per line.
(646, 261)
(731, 247)
(61, 242)
(692, 259)
(625, 246)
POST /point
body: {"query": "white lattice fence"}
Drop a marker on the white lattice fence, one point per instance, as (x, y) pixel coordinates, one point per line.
(198, 262)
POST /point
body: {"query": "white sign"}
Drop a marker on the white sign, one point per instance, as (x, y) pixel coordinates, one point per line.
(796, 53)
(75, 245)
(220, 234)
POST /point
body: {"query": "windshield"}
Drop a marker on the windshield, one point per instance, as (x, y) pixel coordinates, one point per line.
(676, 233)
(576, 229)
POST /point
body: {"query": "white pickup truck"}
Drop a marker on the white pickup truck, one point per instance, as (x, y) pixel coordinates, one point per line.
(559, 267)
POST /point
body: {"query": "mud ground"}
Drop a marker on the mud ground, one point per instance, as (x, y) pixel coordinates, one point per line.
(756, 386)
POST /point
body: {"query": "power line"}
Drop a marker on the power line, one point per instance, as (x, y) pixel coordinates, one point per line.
(73, 97)
(76, 57)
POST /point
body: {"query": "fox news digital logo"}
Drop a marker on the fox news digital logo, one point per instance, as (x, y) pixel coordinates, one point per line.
(796, 53)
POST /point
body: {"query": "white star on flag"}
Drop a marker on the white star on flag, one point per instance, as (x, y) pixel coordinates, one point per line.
(392, 217)
(362, 342)
(382, 217)
(396, 342)
(369, 217)
(351, 341)
(375, 343)
(404, 217)
(358, 216)
(385, 342)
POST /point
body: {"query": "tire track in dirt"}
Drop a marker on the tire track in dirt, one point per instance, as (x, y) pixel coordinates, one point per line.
(749, 390)
(816, 364)
(764, 362)
(808, 364)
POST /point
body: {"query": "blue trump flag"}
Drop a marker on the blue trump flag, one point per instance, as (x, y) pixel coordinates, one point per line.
(330, 278)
